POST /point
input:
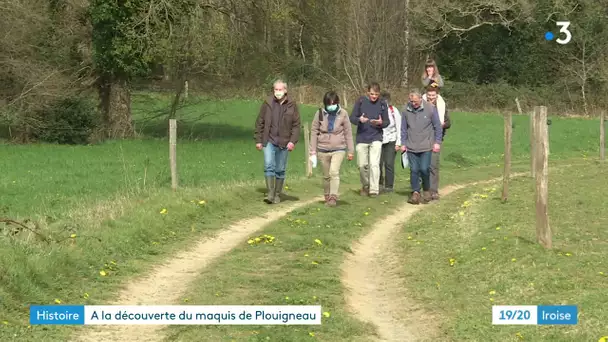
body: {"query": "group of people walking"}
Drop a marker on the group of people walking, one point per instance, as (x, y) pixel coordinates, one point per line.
(417, 132)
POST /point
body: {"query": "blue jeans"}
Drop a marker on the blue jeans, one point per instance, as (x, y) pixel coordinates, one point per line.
(420, 167)
(275, 161)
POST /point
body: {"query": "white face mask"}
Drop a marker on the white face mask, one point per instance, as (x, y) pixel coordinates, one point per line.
(279, 94)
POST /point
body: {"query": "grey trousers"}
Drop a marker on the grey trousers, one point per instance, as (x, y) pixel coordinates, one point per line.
(435, 171)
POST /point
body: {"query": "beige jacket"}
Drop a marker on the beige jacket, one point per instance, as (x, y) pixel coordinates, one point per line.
(341, 138)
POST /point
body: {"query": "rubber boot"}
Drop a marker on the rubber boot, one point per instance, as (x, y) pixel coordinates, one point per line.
(270, 189)
(277, 190)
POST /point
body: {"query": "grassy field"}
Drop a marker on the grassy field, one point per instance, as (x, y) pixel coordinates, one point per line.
(97, 208)
(496, 260)
(295, 269)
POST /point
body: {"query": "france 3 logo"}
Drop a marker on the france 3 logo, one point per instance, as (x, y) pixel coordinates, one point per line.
(563, 31)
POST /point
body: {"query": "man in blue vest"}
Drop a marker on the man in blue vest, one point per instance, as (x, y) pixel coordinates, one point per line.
(421, 135)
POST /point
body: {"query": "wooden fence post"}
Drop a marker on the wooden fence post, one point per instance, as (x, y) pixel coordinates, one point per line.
(518, 105)
(603, 135)
(307, 150)
(172, 152)
(543, 230)
(533, 142)
(507, 167)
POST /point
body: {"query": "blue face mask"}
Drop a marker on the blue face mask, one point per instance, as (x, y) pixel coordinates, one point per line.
(332, 108)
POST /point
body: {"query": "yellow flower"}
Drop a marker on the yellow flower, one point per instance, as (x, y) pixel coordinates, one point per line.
(603, 339)
(306, 254)
(366, 213)
(201, 202)
(601, 273)
(57, 301)
(314, 263)
(452, 261)
(461, 213)
(73, 236)
(513, 260)
(483, 248)
(286, 298)
(86, 295)
(491, 299)
(314, 297)
(326, 314)
(409, 237)
(492, 292)
(484, 196)
(257, 239)
(497, 228)
(318, 242)
(311, 334)
(163, 211)
(102, 273)
(519, 335)
(250, 241)
(568, 254)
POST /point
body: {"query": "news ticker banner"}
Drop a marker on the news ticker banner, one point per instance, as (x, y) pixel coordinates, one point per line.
(175, 314)
(535, 314)
(257, 314)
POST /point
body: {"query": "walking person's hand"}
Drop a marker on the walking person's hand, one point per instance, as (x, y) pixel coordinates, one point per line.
(403, 148)
(397, 148)
(258, 146)
(363, 119)
(290, 146)
(350, 156)
(377, 122)
(436, 148)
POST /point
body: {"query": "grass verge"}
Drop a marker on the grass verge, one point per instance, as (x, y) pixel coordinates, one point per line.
(87, 262)
(478, 252)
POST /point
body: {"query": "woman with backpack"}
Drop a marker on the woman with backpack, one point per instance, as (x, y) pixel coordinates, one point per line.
(331, 139)
(391, 138)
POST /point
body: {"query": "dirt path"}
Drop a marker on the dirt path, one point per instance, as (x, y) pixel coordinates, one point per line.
(371, 277)
(167, 284)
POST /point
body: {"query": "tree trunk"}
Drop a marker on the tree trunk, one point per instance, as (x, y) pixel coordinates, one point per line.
(115, 101)
(405, 79)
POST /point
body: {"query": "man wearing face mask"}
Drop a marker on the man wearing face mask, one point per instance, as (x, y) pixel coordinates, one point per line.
(370, 115)
(277, 130)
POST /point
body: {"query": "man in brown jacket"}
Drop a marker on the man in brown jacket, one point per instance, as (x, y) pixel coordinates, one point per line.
(277, 131)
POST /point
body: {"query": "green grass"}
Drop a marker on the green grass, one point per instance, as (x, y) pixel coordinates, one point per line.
(110, 196)
(498, 262)
(284, 273)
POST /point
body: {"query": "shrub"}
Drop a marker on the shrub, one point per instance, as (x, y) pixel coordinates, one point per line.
(69, 121)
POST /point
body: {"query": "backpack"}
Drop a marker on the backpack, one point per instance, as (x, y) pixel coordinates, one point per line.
(382, 103)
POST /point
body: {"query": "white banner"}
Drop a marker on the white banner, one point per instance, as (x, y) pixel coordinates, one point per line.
(203, 314)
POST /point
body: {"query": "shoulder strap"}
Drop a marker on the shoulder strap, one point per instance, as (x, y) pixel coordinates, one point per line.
(320, 115)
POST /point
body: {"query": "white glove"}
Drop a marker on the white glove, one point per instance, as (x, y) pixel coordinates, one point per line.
(313, 159)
